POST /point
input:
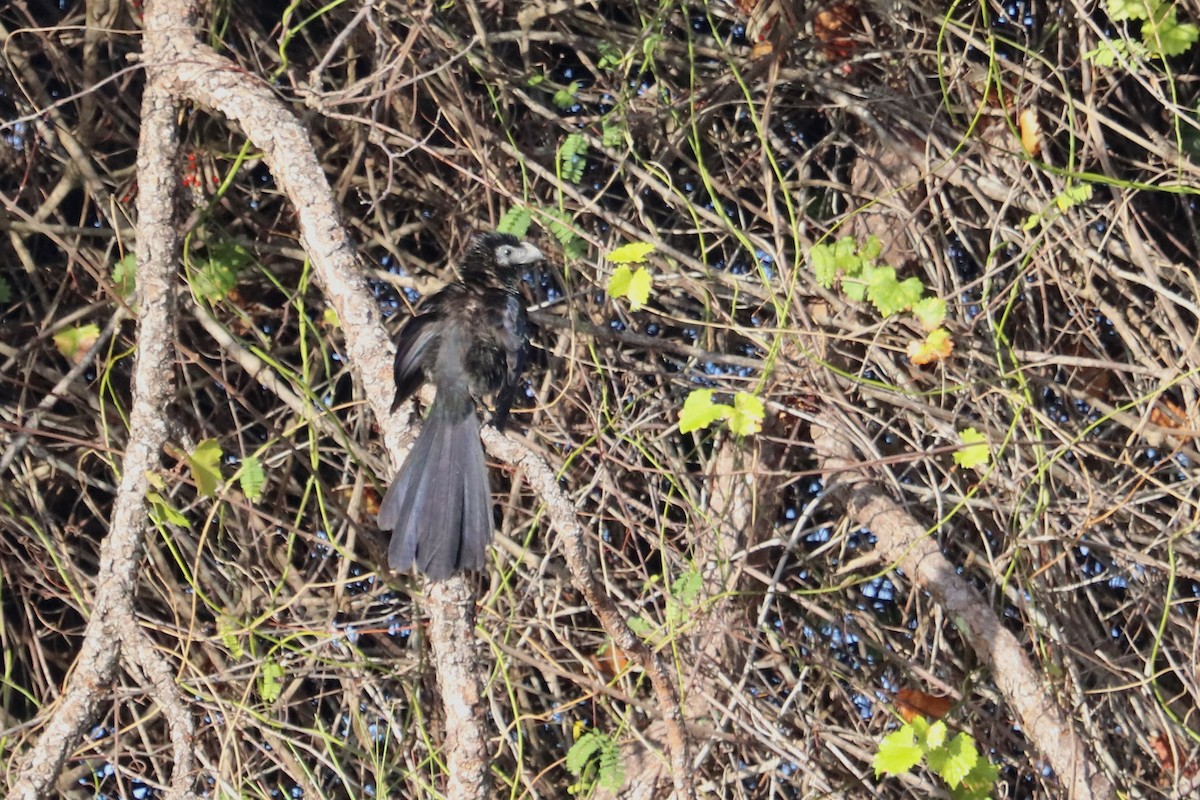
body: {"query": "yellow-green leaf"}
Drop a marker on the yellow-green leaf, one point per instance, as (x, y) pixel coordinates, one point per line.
(634, 285)
(162, 511)
(74, 343)
(747, 416)
(975, 452)
(252, 478)
(699, 411)
(270, 683)
(632, 253)
(205, 463)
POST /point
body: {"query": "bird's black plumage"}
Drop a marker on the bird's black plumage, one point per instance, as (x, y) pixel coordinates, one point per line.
(469, 340)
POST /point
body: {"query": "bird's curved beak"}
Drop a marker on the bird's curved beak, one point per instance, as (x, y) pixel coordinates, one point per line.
(527, 254)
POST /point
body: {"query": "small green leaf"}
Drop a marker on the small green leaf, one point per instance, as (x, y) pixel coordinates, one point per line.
(936, 735)
(1073, 195)
(975, 452)
(699, 411)
(612, 133)
(270, 681)
(889, 295)
(1107, 52)
(565, 98)
(855, 289)
(824, 265)
(631, 253)
(581, 752)
(898, 753)
(871, 248)
(930, 313)
(163, 511)
(1129, 9)
(633, 285)
(252, 478)
(845, 254)
(213, 281)
(205, 461)
(641, 626)
(687, 588)
(954, 761)
(515, 221)
(1170, 37)
(572, 158)
(124, 275)
(747, 416)
(229, 629)
(610, 56)
(74, 343)
(330, 317)
(981, 779)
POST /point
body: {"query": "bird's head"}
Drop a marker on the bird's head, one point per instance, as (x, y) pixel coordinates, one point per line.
(498, 257)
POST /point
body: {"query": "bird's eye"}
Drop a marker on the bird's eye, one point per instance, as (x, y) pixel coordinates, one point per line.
(503, 253)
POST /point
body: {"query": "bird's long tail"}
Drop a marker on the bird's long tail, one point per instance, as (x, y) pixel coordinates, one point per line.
(439, 507)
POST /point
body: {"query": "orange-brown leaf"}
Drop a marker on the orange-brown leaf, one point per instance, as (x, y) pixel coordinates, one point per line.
(1031, 132)
(912, 703)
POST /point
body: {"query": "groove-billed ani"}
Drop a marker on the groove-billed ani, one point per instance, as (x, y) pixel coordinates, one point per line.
(468, 340)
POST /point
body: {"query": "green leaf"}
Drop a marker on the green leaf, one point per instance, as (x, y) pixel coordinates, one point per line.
(641, 626)
(270, 681)
(824, 265)
(685, 597)
(229, 629)
(610, 56)
(515, 221)
(213, 281)
(581, 752)
(163, 511)
(980, 780)
(871, 248)
(1130, 9)
(889, 295)
(975, 452)
(330, 317)
(205, 461)
(1107, 52)
(936, 735)
(747, 416)
(559, 223)
(612, 768)
(74, 343)
(124, 275)
(954, 761)
(855, 289)
(634, 285)
(898, 753)
(565, 98)
(1169, 37)
(252, 478)
(572, 158)
(930, 313)
(612, 132)
(699, 411)
(1073, 195)
(632, 253)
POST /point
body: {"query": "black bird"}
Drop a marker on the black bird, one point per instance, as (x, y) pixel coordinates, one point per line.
(469, 340)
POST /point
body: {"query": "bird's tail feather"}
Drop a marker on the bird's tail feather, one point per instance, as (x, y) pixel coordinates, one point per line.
(439, 506)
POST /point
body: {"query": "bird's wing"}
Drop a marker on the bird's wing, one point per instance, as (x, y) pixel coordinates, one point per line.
(418, 338)
(512, 331)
